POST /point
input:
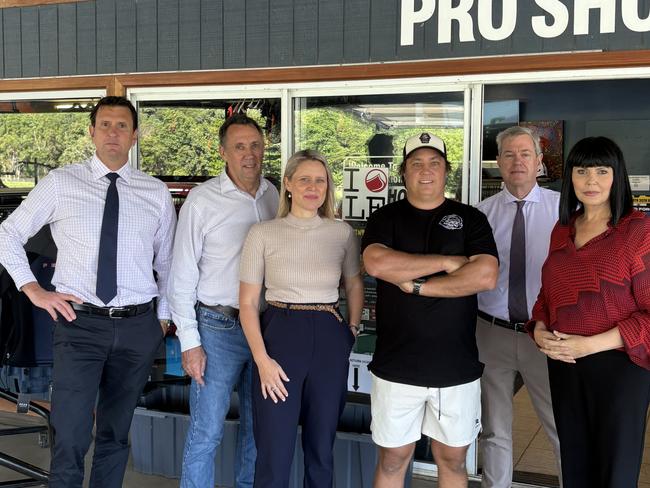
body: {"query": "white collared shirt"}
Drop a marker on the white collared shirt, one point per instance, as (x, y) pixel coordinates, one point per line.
(213, 224)
(71, 199)
(540, 214)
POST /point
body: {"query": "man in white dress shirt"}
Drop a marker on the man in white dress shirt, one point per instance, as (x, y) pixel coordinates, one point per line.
(113, 226)
(204, 299)
(503, 345)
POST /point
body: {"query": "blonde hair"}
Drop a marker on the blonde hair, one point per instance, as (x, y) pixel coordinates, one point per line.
(327, 208)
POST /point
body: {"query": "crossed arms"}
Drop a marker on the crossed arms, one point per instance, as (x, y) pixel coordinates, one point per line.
(465, 275)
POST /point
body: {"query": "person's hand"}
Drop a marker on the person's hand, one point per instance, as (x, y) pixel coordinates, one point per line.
(573, 346)
(406, 287)
(452, 263)
(193, 362)
(354, 329)
(272, 378)
(548, 342)
(52, 302)
(164, 325)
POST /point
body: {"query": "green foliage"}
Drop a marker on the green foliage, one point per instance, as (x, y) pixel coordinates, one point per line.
(53, 139)
(185, 142)
(343, 138)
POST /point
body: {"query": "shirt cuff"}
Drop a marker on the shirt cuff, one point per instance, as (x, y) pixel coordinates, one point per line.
(21, 279)
(189, 338)
(162, 310)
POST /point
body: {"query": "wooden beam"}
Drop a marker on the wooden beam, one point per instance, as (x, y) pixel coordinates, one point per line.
(118, 84)
(413, 69)
(57, 83)
(29, 3)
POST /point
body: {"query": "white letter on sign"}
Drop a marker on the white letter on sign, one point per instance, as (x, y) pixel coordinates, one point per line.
(558, 12)
(508, 20)
(410, 17)
(447, 13)
(581, 15)
(630, 12)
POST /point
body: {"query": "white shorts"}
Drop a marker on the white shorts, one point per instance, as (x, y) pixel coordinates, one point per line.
(402, 413)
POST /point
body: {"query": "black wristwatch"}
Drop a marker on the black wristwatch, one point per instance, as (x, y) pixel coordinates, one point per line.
(417, 284)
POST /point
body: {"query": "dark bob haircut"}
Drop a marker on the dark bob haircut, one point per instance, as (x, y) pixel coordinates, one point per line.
(114, 102)
(588, 153)
(237, 119)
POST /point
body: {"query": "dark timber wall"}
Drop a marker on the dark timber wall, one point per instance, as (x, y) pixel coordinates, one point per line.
(128, 36)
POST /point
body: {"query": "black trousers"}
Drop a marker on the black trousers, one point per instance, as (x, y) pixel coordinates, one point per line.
(313, 349)
(104, 360)
(600, 406)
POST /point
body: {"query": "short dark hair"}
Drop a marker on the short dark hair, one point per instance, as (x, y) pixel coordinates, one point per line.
(402, 166)
(113, 101)
(237, 119)
(588, 153)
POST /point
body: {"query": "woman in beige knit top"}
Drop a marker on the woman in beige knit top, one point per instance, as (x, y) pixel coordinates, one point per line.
(302, 343)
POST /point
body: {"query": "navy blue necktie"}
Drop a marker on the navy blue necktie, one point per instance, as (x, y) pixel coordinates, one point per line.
(107, 263)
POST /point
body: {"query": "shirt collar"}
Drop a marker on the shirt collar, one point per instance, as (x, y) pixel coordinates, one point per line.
(533, 195)
(227, 185)
(98, 169)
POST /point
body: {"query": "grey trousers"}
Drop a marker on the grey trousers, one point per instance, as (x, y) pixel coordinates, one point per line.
(504, 352)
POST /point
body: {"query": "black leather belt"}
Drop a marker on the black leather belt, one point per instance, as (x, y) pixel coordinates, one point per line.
(112, 312)
(230, 312)
(516, 326)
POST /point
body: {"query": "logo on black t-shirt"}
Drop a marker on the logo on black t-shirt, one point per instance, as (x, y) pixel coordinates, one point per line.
(452, 222)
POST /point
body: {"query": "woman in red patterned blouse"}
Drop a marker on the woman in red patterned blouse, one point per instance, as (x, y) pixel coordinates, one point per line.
(592, 320)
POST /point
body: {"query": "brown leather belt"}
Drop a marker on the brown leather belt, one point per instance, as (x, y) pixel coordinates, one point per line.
(230, 312)
(516, 326)
(112, 312)
(332, 308)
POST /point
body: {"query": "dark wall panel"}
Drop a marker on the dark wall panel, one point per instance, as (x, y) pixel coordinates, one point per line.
(330, 32)
(147, 35)
(86, 38)
(234, 34)
(357, 31)
(125, 35)
(281, 35)
(189, 34)
(67, 39)
(29, 41)
(257, 33)
(48, 19)
(305, 29)
(106, 46)
(211, 34)
(383, 30)
(168, 35)
(2, 52)
(11, 43)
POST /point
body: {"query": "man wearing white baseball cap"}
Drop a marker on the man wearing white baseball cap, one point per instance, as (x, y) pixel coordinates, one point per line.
(430, 255)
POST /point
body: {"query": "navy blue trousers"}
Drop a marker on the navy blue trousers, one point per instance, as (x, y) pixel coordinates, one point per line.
(313, 349)
(104, 360)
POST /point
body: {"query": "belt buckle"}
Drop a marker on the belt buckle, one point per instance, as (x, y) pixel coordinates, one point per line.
(519, 326)
(111, 310)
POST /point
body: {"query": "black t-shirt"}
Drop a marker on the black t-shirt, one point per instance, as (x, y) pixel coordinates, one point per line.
(420, 340)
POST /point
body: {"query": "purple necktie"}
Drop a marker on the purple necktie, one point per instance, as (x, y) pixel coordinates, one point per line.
(517, 306)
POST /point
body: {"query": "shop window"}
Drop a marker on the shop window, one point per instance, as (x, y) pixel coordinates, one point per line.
(562, 113)
(372, 129)
(180, 139)
(39, 135)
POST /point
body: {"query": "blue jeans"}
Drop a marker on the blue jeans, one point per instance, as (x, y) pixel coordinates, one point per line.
(229, 363)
